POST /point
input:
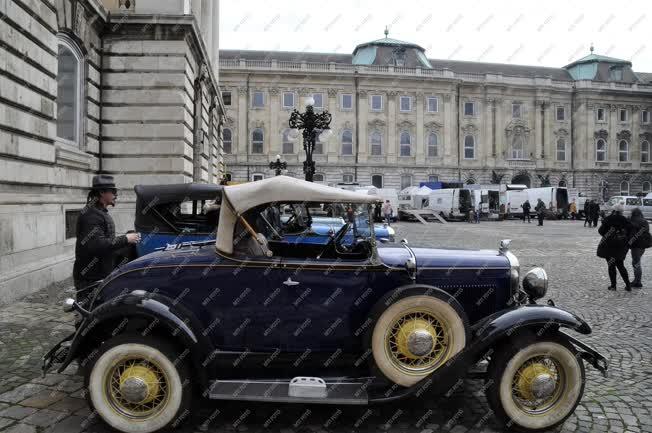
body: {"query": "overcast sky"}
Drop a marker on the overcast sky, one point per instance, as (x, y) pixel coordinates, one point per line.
(531, 32)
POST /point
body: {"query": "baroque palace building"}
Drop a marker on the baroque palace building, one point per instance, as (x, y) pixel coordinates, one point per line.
(122, 87)
(400, 118)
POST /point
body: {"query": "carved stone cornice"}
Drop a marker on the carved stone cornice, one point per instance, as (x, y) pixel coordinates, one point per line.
(542, 103)
(258, 124)
(347, 125)
(332, 92)
(392, 93)
(517, 127)
(613, 107)
(405, 124)
(376, 123)
(433, 125)
(447, 97)
(603, 133)
(561, 132)
(470, 128)
(645, 136)
(624, 135)
(636, 108)
(273, 91)
(362, 93)
(242, 90)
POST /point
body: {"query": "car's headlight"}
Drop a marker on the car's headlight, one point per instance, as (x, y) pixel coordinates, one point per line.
(535, 283)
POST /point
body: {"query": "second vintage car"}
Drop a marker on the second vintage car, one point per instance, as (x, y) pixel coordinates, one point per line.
(252, 317)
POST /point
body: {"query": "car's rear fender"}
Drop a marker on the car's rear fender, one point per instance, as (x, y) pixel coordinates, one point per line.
(146, 313)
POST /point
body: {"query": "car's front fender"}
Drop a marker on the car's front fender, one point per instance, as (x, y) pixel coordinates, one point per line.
(158, 312)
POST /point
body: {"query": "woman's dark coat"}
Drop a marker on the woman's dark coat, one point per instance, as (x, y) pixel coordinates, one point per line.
(615, 230)
(639, 233)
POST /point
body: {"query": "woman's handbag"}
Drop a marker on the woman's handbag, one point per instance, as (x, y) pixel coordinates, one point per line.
(613, 244)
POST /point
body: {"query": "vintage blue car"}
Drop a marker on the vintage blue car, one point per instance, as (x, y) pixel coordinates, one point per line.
(254, 317)
(189, 212)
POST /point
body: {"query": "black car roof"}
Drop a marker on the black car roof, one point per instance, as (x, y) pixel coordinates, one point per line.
(152, 195)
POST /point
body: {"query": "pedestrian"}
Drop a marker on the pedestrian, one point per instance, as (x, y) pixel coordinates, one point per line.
(507, 209)
(540, 210)
(387, 212)
(573, 210)
(477, 213)
(595, 213)
(613, 246)
(97, 246)
(587, 212)
(639, 240)
(377, 212)
(526, 210)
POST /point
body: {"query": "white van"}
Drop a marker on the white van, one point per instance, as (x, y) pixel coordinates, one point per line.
(555, 198)
(629, 203)
(451, 203)
(647, 206)
(513, 200)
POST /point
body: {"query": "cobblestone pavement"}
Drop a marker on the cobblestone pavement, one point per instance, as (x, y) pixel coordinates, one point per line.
(578, 282)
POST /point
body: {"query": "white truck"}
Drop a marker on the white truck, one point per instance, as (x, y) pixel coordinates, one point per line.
(555, 198)
(451, 203)
(412, 198)
(513, 200)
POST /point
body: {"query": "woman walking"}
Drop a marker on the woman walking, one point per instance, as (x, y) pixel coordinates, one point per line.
(614, 244)
(639, 240)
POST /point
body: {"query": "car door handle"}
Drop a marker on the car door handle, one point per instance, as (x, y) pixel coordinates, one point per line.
(289, 282)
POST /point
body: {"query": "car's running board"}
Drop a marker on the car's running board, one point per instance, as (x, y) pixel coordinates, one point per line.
(296, 390)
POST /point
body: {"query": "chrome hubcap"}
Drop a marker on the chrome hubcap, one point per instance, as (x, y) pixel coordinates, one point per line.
(420, 342)
(134, 389)
(543, 386)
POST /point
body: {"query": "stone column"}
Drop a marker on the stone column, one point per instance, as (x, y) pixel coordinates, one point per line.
(420, 146)
(635, 142)
(612, 141)
(215, 54)
(547, 132)
(449, 132)
(391, 143)
(487, 142)
(331, 149)
(196, 11)
(243, 129)
(362, 126)
(584, 144)
(207, 26)
(500, 130)
(538, 129)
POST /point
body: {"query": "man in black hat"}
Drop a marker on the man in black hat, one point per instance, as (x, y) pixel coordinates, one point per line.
(97, 245)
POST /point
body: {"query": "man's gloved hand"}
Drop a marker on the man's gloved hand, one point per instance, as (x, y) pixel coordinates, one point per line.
(133, 238)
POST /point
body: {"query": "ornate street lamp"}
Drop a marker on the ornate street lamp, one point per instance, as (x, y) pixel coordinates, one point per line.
(313, 124)
(278, 165)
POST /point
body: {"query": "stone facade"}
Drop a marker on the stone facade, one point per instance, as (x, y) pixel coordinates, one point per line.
(458, 121)
(127, 88)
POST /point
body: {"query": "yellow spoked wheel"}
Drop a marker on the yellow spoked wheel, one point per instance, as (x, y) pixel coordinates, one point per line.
(534, 383)
(537, 384)
(138, 384)
(418, 340)
(137, 388)
(415, 336)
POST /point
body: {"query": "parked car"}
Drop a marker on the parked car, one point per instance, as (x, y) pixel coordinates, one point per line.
(186, 213)
(647, 207)
(629, 203)
(257, 319)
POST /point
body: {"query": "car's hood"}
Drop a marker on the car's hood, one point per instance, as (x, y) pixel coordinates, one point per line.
(440, 257)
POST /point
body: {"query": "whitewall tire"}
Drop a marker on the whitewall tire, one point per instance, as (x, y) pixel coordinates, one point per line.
(415, 336)
(135, 386)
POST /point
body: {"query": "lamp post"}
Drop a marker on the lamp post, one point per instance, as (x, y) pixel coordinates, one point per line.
(278, 165)
(312, 124)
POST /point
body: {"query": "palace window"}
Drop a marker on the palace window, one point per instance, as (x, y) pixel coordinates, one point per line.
(624, 188)
(405, 143)
(599, 115)
(319, 101)
(69, 91)
(433, 147)
(469, 147)
(257, 139)
(288, 100)
(226, 98)
(258, 99)
(319, 145)
(376, 102)
(600, 150)
(257, 176)
(645, 116)
(516, 111)
(347, 178)
(288, 145)
(616, 73)
(347, 101)
(561, 113)
(623, 115)
(646, 187)
(623, 151)
(645, 151)
(406, 180)
(377, 180)
(469, 108)
(227, 140)
(347, 142)
(433, 178)
(561, 150)
(406, 103)
(433, 104)
(517, 147)
(376, 143)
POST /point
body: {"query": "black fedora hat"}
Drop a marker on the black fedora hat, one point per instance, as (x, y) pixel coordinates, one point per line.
(103, 181)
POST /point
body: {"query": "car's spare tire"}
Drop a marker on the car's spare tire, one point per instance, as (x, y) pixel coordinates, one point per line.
(417, 334)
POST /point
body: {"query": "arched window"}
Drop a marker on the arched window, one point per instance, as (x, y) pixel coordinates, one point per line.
(433, 145)
(517, 147)
(347, 142)
(318, 177)
(469, 147)
(624, 188)
(623, 151)
(376, 139)
(377, 180)
(257, 139)
(646, 187)
(406, 143)
(561, 150)
(288, 145)
(645, 151)
(69, 91)
(227, 140)
(600, 150)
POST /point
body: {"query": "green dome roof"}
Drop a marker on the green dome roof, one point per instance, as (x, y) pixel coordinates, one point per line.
(597, 58)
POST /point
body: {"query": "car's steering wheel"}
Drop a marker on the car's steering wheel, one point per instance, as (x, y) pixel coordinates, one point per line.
(335, 240)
